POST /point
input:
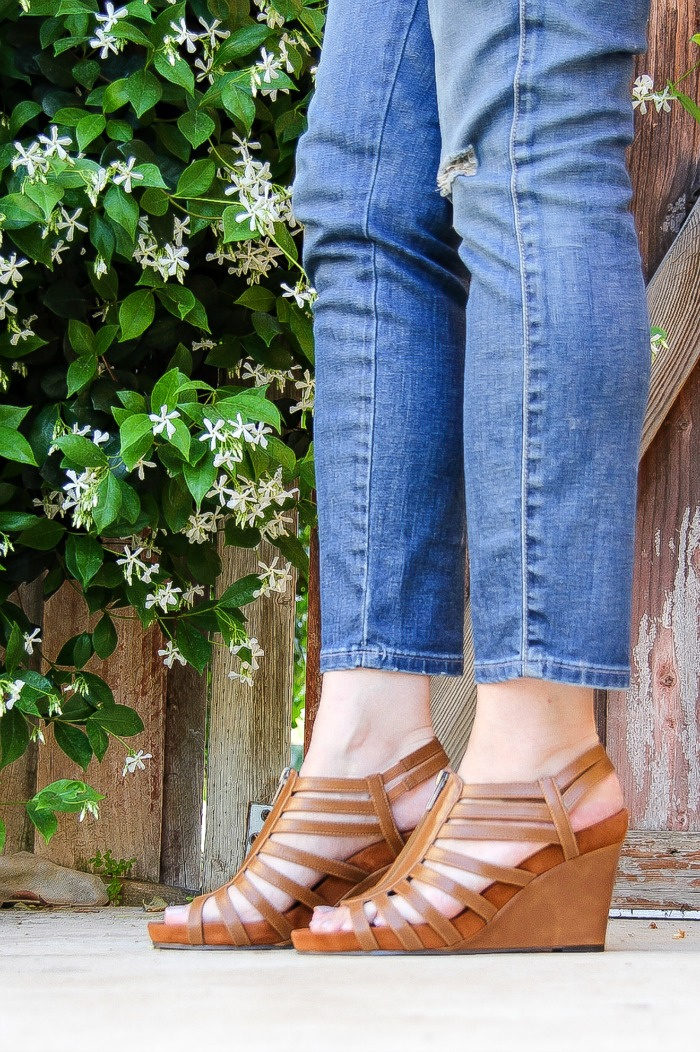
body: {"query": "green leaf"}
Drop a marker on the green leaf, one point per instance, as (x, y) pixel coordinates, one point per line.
(200, 477)
(119, 131)
(144, 91)
(99, 739)
(132, 434)
(81, 337)
(23, 112)
(257, 297)
(82, 451)
(74, 743)
(14, 737)
(151, 176)
(84, 556)
(89, 128)
(115, 95)
(45, 535)
(196, 126)
(165, 390)
(15, 648)
(688, 104)
(109, 502)
(235, 230)
(193, 646)
(65, 795)
(285, 240)
(45, 821)
(122, 208)
(80, 373)
(240, 592)
(251, 405)
(242, 42)
(155, 202)
(176, 505)
(14, 446)
(180, 438)
(196, 179)
(180, 73)
(104, 637)
(266, 326)
(177, 299)
(136, 314)
(239, 103)
(118, 719)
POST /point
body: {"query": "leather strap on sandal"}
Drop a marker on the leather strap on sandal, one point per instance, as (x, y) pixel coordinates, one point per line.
(314, 806)
(535, 812)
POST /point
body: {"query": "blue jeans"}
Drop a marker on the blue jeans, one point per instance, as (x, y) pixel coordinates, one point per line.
(481, 332)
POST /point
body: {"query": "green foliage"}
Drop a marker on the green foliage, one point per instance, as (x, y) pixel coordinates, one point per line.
(155, 340)
(107, 866)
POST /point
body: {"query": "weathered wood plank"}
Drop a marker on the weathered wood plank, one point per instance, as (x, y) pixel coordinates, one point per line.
(250, 726)
(130, 816)
(18, 780)
(664, 159)
(453, 698)
(673, 296)
(183, 777)
(654, 727)
(659, 870)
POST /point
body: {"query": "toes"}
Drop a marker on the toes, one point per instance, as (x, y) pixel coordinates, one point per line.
(329, 919)
(175, 915)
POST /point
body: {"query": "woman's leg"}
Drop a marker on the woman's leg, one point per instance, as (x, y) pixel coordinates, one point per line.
(535, 111)
(380, 249)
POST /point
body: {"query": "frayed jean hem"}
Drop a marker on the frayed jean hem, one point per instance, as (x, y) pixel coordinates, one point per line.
(559, 671)
(391, 661)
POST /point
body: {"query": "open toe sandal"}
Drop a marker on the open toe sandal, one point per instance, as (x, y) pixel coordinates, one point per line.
(557, 899)
(307, 805)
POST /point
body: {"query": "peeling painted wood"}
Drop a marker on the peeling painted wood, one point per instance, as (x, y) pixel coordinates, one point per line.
(660, 869)
(654, 727)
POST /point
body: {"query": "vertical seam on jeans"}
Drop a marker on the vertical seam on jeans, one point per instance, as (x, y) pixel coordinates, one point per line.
(365, 589)
(525, 318)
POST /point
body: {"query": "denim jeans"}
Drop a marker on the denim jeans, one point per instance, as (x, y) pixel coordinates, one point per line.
(481, 332)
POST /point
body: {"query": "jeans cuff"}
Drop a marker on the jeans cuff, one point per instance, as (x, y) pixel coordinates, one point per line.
(559, 671)
(391, 661)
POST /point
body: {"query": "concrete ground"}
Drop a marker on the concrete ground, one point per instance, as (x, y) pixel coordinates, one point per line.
(74, 980)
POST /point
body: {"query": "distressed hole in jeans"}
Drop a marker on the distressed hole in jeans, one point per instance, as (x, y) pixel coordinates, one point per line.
(463, 163)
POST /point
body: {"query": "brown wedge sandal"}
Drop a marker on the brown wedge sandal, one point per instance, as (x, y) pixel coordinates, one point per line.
(295, 809)
(557, 899)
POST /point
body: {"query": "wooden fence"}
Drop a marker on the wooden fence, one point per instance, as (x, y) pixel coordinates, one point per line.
(652, 729)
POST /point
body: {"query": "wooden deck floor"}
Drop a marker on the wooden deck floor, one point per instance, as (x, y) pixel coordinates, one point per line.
(74, 980)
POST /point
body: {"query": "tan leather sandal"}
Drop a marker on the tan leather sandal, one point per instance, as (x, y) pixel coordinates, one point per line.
(557, 899)
(367, 804)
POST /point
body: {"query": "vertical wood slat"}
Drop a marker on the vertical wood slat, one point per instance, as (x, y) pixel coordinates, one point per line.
(664, 159)
(18, 779)
(655, 725)
(183, 777)
(250, 726)
(130, 816)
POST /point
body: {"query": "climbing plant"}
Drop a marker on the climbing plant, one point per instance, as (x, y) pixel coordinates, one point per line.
(156, 355)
